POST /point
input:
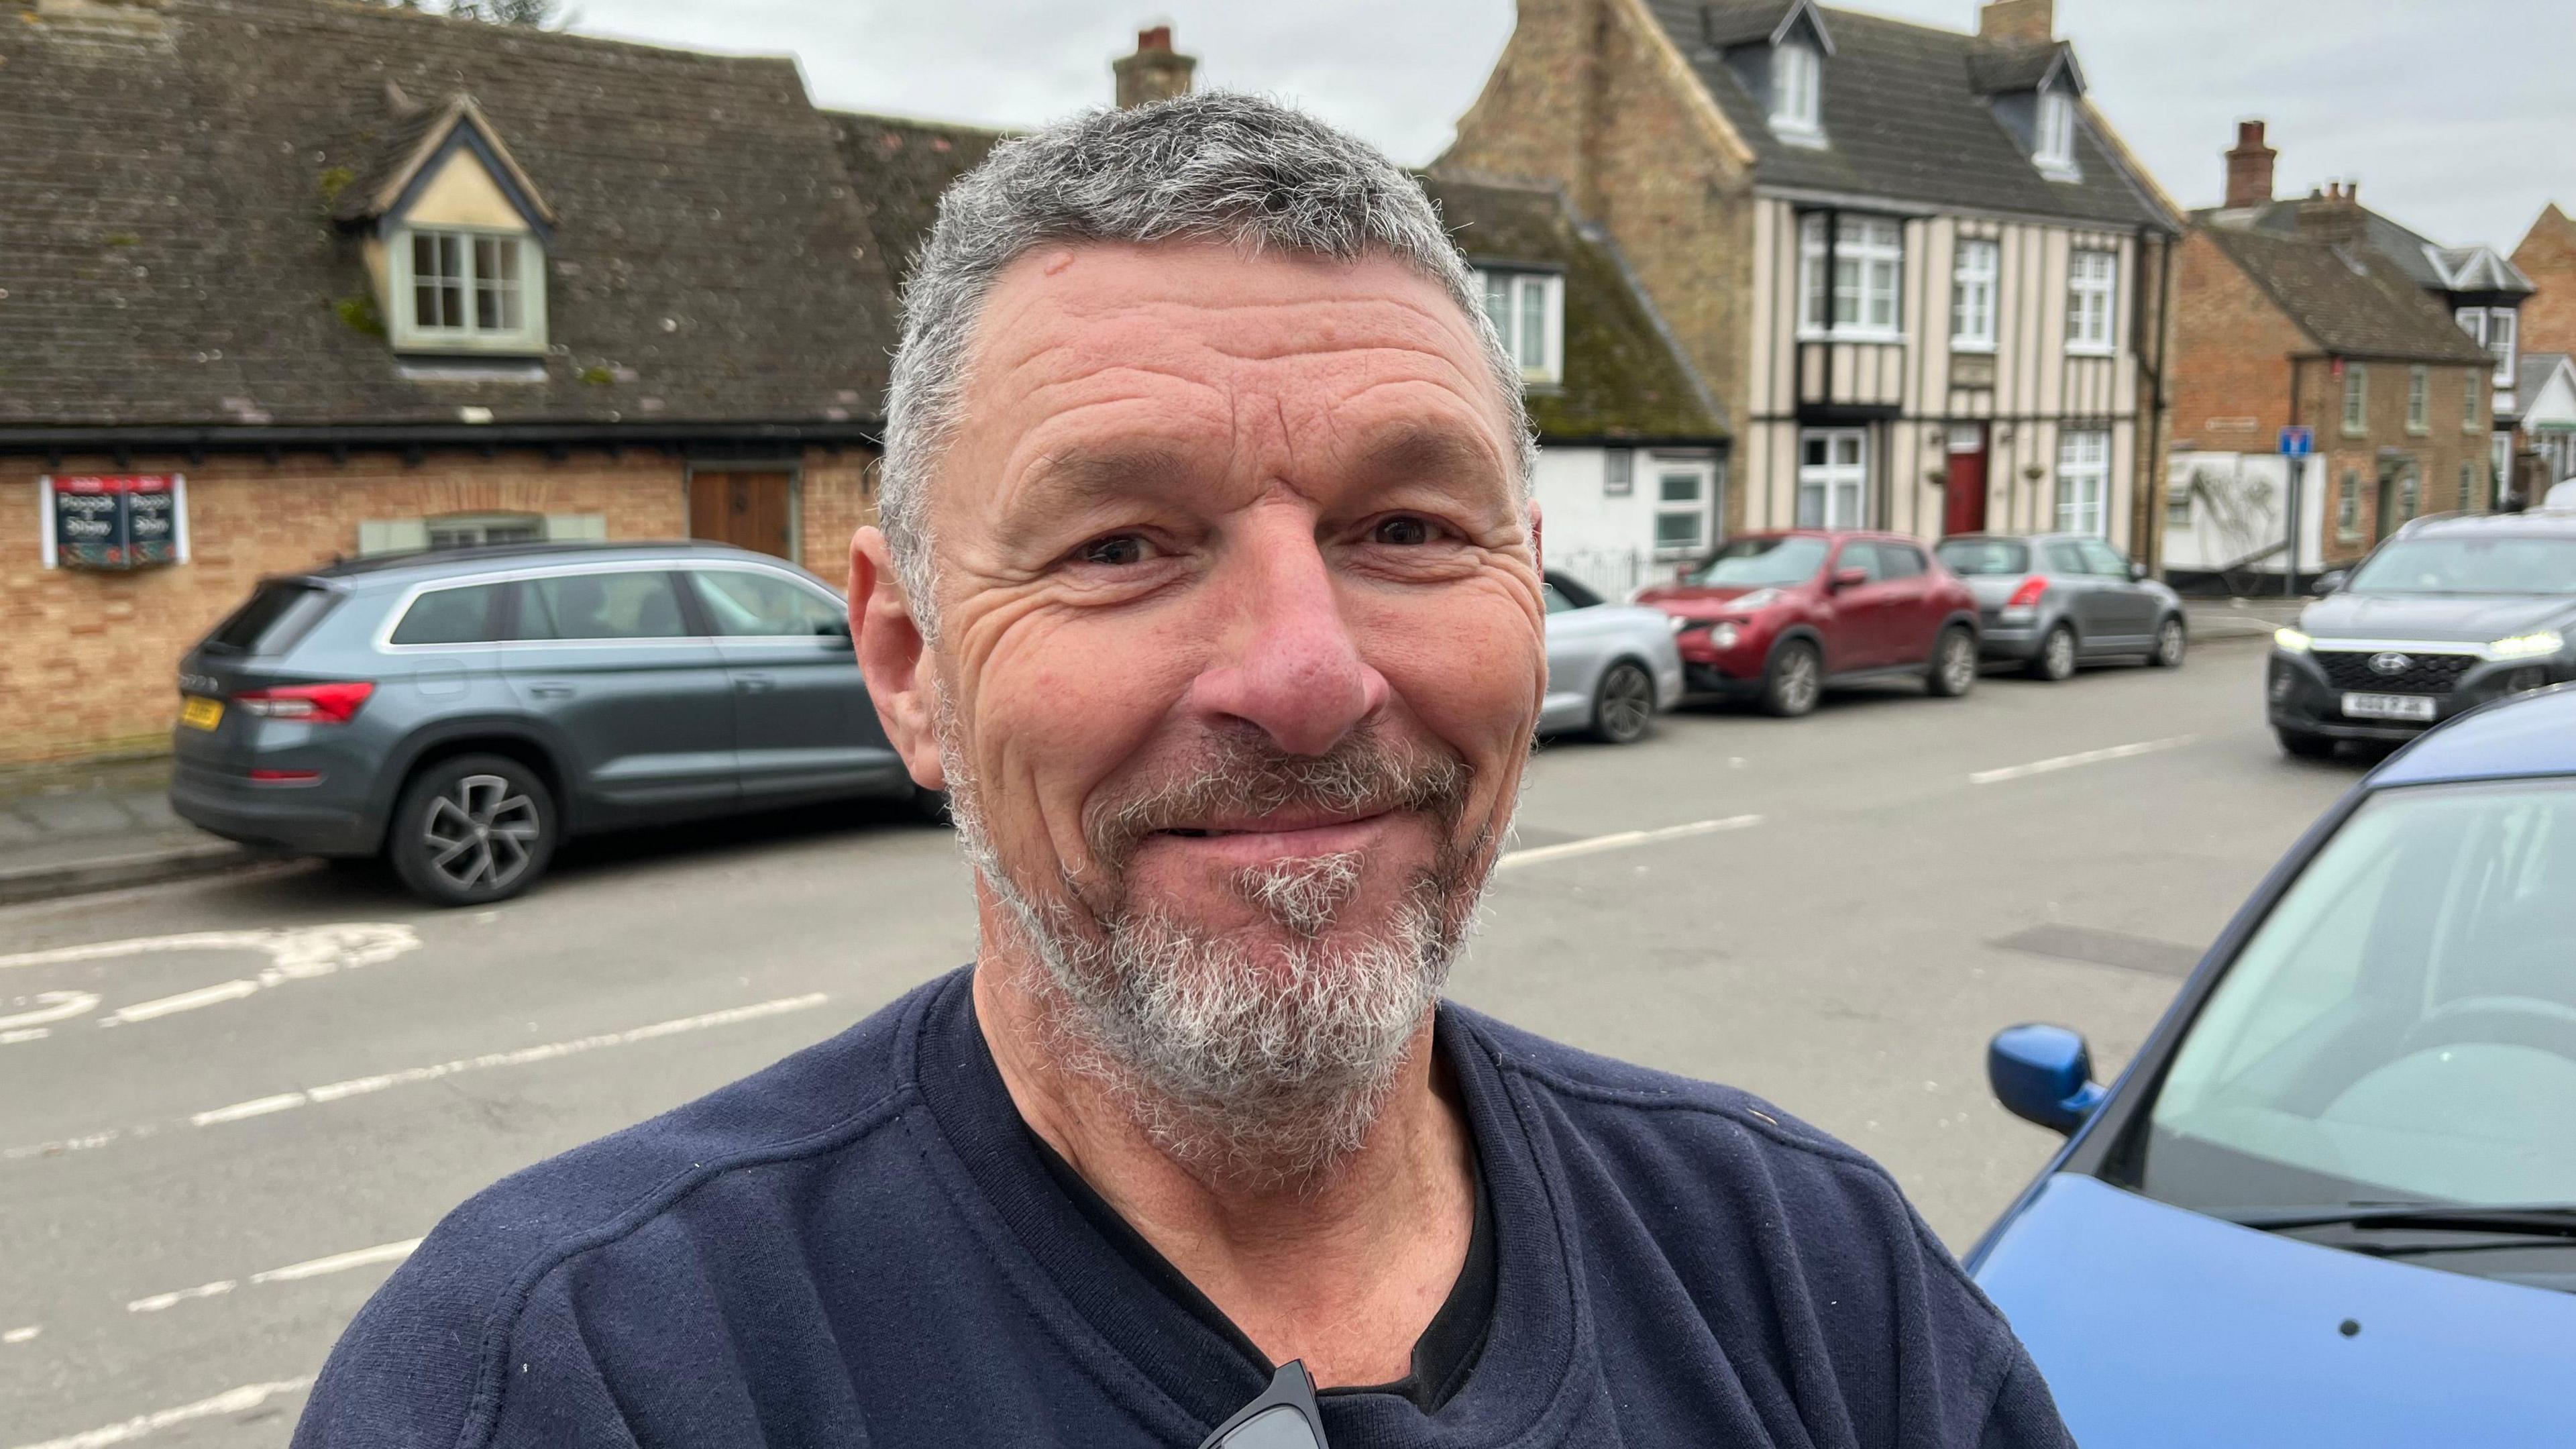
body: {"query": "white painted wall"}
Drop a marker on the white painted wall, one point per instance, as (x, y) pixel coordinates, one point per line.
(2254, 487)
(1607, 541)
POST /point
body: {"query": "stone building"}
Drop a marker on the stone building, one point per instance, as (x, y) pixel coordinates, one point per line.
(1920, 274)
(321, 279)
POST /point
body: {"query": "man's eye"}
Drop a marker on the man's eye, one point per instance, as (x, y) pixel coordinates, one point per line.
(1118, 550)
(1403, 532)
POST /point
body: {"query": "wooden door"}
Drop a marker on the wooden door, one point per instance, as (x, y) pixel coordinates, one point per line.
(750, 510)
(1966, 490)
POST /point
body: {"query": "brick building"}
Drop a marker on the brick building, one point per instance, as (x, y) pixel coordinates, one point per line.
(2476, 285)
(2322, 330)
(1921, 275)
(2547, 256)
(335, 279)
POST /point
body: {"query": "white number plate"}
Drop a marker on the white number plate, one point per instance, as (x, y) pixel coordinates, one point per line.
(2414, 707)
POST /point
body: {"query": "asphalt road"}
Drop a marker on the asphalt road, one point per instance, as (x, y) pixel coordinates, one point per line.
(286, 1078)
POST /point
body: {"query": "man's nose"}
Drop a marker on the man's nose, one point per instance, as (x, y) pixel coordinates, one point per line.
(1289, 664)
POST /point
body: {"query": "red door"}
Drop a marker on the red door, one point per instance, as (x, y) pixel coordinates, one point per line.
(1966, 510)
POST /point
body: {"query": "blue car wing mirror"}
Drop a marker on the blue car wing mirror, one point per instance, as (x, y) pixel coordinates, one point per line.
(2043, 1074)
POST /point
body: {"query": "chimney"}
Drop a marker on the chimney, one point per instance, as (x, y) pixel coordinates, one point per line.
(2332, 216)
(2249, 167)
(2022, 22)
(1156, 72)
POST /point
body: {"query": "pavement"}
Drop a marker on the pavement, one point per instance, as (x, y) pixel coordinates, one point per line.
(229, 1105)
(99, 825)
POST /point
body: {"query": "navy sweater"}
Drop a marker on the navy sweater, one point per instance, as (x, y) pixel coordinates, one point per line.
(861, 1247)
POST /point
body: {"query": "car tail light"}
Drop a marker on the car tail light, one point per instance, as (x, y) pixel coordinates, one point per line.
(286, 777)
(2028, 594)
(318, 703)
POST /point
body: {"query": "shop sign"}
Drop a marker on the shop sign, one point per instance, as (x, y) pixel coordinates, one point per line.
(123, 521)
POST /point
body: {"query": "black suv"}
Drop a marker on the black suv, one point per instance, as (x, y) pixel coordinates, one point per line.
(2450, 612)
(461, 712)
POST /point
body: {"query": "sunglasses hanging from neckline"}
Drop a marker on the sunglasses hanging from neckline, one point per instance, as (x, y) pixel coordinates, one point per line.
(1284, 1417)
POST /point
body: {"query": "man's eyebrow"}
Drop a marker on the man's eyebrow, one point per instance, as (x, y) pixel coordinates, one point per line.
(1077, 477)
(1430, 452)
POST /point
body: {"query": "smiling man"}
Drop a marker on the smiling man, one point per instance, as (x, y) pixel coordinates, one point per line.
(1209, 590)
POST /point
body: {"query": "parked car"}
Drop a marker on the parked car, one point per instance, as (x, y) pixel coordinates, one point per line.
(2333, 1198)
(1777, 617)
(2055, 600)
(461, 713)
(2449, 613)
(1610, 668)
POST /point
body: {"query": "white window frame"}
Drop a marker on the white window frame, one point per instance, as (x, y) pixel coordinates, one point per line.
(2348, 505)
(2092, 301)
(2469, 404)
(1869, 264)
(2504, 325)
(2084, 481)
(2419, 399)
(2053, 135)
(1703, 473)
(1797, 93)
(1618, 472)
(410, 336)
(2356, 399)
(1518, 289)
(1975, 272)
(1841, 489)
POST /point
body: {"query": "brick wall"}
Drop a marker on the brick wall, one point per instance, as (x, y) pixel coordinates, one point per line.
(2437, 453)
(87, 659)
(2231, 361)
(2548, 256)
(1589, 95)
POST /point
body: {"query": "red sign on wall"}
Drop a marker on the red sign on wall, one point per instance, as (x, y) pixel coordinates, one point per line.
(115, 521)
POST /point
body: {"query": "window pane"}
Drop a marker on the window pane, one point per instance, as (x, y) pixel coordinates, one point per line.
(745, 605)
(1533, 338)
(1811, 505)
(452, 616)
(1677, 530)
(1498, 304)
(1681, 487)
(1847, 450)
(600, 606)
(1899, 561)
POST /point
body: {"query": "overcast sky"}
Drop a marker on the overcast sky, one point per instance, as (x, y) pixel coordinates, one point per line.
(2428, 103)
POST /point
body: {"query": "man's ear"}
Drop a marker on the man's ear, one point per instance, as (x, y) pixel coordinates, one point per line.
(894, 659)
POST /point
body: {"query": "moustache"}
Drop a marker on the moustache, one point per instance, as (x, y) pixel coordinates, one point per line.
(1245, 774)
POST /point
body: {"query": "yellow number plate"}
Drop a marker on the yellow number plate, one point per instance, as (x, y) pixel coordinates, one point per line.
(199, 713)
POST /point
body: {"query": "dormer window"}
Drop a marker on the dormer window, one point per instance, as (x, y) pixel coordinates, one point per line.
(2053, 148)
(1528, 309)
(455, 235)
(1797, 87)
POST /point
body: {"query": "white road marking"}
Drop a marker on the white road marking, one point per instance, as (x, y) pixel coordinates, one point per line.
(233, 990)
(291, 1273)
(230, 1401)
(2069, 762)
(50, 1007)
(33, 1033)
(294, 954)
(410, 1076)
(22, 1335)
(1621, 840)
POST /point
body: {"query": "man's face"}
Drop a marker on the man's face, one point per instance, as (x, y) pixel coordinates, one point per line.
(1210, 513)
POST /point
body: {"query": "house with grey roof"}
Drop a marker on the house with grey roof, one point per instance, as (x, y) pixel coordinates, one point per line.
(2319, 331)
(2482, 289)
(1917, 269)
(318, 279)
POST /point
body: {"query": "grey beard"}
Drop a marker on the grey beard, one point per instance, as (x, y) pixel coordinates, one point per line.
(1253, 1064)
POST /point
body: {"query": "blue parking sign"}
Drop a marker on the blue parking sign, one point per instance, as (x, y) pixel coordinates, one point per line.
(2298, 442)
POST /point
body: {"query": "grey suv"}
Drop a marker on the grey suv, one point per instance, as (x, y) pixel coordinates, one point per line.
(460, 713)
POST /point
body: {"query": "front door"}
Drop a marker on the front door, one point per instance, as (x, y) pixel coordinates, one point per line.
(748, 510)
(1966, 489)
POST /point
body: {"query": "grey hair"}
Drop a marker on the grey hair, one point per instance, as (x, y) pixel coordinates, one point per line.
(1215, 166)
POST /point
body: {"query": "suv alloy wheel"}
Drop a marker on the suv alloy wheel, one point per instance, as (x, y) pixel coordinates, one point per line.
(472, 830)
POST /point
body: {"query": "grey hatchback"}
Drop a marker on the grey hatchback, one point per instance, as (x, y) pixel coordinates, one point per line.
(462, 712)
(2052, 600)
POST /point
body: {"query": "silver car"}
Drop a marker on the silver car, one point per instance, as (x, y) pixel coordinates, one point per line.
(2053, 600)
(1611, 668)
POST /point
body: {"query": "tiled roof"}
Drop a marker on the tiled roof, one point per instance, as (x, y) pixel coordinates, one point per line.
(169, 256)
(906, 165)
(1624, 377)
(2427, 263)
(1907, 116)
(2353, 301)
(1742, 22)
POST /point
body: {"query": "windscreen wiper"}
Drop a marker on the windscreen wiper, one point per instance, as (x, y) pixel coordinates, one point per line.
(2541, 1220)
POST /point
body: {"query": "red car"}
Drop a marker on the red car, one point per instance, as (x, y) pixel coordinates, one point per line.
(1775, 617)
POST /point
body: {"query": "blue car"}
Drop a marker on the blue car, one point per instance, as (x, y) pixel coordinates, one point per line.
(2333, 1200)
